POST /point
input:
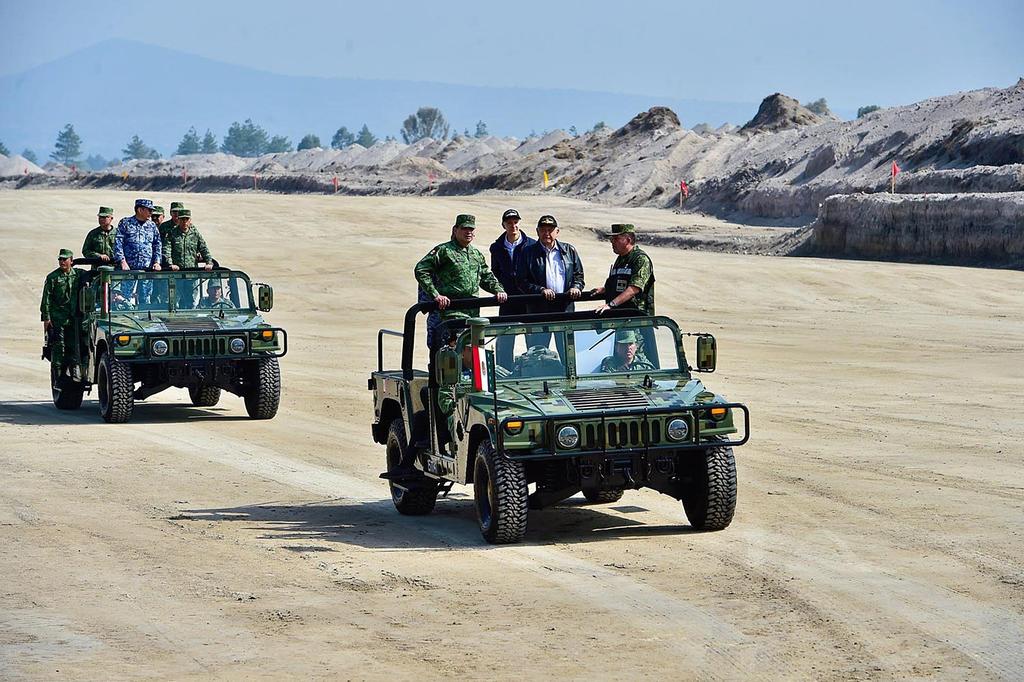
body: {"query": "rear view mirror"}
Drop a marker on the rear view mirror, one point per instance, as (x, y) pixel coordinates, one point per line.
(265, 298)
(86, 300)
(707, 353)
(448, 365)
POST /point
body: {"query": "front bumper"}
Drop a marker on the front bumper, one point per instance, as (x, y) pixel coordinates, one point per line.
(198, 345)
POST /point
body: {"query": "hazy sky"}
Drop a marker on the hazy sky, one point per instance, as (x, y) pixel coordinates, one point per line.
(852, 53)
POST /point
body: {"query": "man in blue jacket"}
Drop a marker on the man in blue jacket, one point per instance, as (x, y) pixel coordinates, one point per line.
(504, 251)
(549, 267)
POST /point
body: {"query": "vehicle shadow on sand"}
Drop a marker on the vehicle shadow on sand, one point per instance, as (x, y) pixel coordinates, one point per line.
(42, 412)
(452, 524)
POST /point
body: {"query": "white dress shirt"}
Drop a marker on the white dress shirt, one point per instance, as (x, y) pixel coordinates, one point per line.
(554, 269)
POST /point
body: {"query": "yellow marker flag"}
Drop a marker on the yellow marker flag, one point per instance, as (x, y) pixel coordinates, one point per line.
(545, 178)
(124, 175)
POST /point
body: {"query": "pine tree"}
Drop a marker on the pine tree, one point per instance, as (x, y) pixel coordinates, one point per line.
(209, 143)
(864, 111)
(426, 122)
(4, 150)
(342, 138)
(365, 137)
(481, 129)
(190, 143)
(137, 149)
(310, 141)
(68, 147)
(246, 139)
(279, 144)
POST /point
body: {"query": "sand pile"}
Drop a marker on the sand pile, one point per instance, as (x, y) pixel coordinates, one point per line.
(779, 112)
(533, 145)
(17, 165)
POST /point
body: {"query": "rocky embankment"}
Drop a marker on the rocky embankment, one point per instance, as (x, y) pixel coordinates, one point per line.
(966, 229)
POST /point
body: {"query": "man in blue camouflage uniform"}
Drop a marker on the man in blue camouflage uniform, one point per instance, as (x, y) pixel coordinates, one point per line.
(455, 269)
(137, 245)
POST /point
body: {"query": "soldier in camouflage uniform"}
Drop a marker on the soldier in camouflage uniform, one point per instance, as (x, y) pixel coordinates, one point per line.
(630, 282)
(99, 243)
(185, 246)
(626, 357)
(158, 219)
(456, 269)
(57, 313)
(168, 225)
(137, 246)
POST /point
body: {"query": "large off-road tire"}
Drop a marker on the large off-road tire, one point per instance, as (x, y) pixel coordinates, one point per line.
(710, 501)
(500, 495)
(67, 394)
(265, 395)
(116, 390)
(204, 396)
(418, 501)
(603, 496)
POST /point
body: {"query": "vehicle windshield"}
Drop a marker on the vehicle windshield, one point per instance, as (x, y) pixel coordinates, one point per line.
(601, 350)
(186, 291)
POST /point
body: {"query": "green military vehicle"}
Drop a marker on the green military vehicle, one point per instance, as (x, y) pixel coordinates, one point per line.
(589, 403)
(142, 332)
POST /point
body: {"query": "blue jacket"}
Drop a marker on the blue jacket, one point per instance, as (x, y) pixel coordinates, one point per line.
(531, 273)
(503, 266)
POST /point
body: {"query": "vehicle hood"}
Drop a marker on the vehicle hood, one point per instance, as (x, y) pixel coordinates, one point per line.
(163, 323)
(595, 396)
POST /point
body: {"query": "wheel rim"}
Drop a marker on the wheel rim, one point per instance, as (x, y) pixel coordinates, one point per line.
(482, 490)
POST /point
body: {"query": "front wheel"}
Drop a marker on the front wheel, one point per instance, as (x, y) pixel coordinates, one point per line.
(265, 393)
(67, 394)
(710, 499)
(603, 496)
(500, 495)
(116, 390)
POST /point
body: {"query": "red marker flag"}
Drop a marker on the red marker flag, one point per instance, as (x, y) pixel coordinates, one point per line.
(895, 169)
(684, 188)
(335, 181)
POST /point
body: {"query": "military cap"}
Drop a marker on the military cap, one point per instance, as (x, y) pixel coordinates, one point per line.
(620, 228)
(547, 220)
(510, 213)
(625, 336)
(465, 220)
(144, 203)
(158, 210)
(176, 205)
(105, 211)
(65, 253)
(184, 213)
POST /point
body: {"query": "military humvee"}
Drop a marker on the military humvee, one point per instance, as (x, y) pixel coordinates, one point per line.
(588, 403)
(141, 332)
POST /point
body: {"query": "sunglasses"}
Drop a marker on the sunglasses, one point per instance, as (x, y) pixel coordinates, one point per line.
(59, 259)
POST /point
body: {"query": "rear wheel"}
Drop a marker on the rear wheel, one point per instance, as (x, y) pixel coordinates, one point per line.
(204, 396)
(500, 495)
(603, 496)
(265, 394)
(116, 390)
(418, 494)
(710, 499)
(67, 394)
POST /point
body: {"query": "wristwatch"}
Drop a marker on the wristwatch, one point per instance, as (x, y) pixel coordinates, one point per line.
(611, 304)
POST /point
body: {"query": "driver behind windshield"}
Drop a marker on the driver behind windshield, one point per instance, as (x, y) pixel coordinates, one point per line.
(626, 357)
(215, 298)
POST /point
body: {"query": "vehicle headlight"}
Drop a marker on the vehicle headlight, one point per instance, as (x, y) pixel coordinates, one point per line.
(568, 437)
(159, 347)
(237, 345)
(678, 429)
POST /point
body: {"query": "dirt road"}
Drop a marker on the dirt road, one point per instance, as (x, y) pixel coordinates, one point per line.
(879, 531)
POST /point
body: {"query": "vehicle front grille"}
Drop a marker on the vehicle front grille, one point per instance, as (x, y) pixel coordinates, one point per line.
(622, 433)
(197, 347)
(606, 398)
(197, 324)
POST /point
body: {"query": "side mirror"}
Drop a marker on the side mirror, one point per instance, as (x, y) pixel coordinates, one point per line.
(448, 366)
(86, 300)
(265, 298)
(707, 353)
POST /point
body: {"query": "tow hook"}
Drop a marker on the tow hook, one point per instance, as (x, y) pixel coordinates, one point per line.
(627, 473)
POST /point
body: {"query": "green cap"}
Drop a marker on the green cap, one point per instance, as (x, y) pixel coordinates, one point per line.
(105, 211)
(465, 220)
(620, 228)
(158, 210)
(625, 336)
(176, 205)
(184, 213)
(65, 253)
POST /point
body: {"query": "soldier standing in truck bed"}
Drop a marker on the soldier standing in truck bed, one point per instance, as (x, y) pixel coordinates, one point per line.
(99, 243)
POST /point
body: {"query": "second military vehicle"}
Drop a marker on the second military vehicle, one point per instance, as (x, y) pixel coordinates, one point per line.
(589, 403)
(142, 332)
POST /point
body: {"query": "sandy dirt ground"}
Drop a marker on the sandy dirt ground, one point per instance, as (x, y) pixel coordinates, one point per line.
(878, 535)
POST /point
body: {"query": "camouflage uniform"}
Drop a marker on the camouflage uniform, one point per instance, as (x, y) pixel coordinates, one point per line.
(455, 271)
(613, 363)
(137, 243)
(185, 249)
(99, 242)
(634, 269)
(168, 225)
(60, 291)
